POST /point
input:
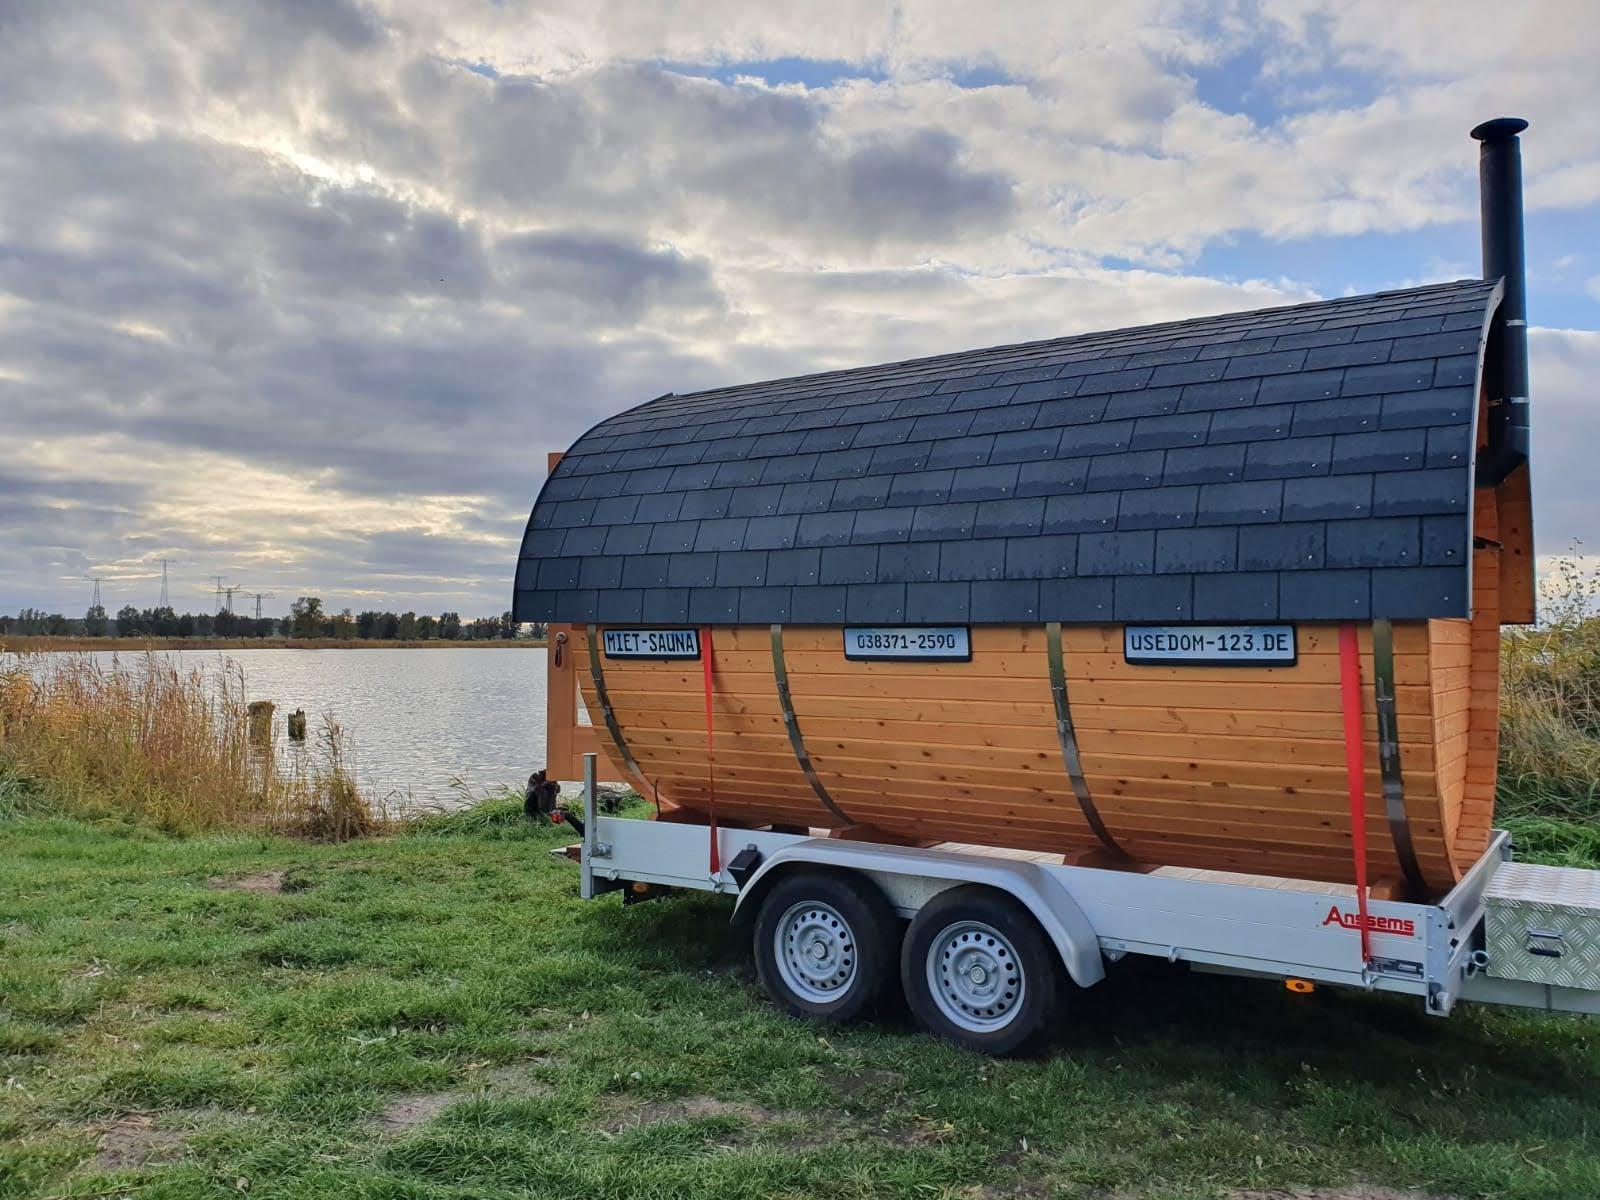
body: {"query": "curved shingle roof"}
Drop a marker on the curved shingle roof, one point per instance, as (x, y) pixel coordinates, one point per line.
(1309, 462)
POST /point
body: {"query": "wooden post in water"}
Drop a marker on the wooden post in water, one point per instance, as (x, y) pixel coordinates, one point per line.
(297, 725)
(259, 721)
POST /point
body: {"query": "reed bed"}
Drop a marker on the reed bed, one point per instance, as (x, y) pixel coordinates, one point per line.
(1549, 793)
(144, 739)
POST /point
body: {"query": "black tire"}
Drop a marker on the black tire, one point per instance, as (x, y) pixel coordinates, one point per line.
(858, 934)
(1019, 992)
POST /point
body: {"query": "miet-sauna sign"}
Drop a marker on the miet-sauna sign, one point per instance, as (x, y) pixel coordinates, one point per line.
(652, 643)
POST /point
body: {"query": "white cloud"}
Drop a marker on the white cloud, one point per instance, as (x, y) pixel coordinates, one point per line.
(1565, 414)
(310, 287)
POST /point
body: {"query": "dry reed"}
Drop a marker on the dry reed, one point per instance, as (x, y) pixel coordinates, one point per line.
(1550, 704)
(146, 739)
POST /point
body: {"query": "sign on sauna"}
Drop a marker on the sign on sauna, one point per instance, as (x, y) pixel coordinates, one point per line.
(941, 643)
(1236, 645)
(652, 643)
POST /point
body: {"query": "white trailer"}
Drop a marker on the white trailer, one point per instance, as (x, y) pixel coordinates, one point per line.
(994, 941)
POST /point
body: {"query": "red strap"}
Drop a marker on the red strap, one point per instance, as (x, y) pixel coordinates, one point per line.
(1355, 769)
(711, 767)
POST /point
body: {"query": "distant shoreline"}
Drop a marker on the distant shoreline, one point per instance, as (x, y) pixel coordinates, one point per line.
(81, 644)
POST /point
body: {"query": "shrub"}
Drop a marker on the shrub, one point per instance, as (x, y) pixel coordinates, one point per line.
(1550, 716)
(1551, 696)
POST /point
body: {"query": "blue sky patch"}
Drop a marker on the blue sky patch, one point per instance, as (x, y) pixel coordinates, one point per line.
(811, 72)
(1369, 262)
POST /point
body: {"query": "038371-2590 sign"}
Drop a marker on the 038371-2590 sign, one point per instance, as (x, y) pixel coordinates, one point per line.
(937, 643)
(652, 643)
(1225, 645)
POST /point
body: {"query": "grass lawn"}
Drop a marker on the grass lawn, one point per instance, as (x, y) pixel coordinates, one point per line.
(435, 1014)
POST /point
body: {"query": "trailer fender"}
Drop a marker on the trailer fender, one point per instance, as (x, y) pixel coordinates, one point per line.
(912, 876)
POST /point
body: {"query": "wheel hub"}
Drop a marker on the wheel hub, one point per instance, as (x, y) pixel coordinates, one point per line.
(975, 977)
(815, 951)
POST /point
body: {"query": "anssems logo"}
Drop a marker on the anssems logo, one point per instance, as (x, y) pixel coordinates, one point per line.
(1402, 926)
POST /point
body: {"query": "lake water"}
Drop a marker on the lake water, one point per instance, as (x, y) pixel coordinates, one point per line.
(420, 725)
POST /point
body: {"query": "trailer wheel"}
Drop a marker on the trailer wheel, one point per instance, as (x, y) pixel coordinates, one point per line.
(825, 945)
(978, 971)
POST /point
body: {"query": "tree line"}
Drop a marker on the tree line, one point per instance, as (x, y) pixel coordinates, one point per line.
(306, 619)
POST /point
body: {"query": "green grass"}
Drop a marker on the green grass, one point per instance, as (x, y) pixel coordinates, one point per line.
(582, 1050)
(1551, 824)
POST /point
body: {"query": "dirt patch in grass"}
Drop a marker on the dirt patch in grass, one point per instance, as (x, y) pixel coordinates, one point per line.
(135, 1140)
(852, 1084)
(788, 1130)
(838, 1126)
(262, 883)
(407, 1112)
(924, 1131)
(693, 1108)
(513, 1081)
(1358, 1192)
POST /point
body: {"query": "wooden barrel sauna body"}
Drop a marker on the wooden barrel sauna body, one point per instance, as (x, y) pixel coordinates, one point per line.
(1238, 768)
(1313, 466)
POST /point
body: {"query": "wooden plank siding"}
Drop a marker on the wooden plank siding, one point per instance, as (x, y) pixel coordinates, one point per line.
(1483, 689)
(1193, 766)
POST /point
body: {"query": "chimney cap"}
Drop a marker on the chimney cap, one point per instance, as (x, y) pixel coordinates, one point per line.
(1501, 129)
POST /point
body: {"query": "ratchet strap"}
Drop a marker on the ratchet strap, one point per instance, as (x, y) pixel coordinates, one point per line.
(791, 723)
(597, 673)
(1355, 770)
(1068, 737)
(711, 762)
(1394, 792)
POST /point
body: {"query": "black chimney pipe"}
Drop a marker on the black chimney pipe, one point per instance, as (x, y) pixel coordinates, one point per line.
(1500, 201)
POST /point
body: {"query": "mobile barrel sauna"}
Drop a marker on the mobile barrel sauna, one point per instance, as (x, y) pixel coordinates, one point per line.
(1137, 597)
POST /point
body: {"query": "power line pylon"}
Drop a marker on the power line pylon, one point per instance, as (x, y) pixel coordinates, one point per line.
(217, 579)
(95, 603)
(260, 596)
(166, 599)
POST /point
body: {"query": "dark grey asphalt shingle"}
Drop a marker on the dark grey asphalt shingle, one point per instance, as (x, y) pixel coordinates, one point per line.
(1252, 503)
(912, 562)
(579, 542)
(943, 522)
(882, 525)
(1204, 464)
(1236, 596)
(1081, 514)
(1444, 541)
(1158, 508)
(1301, 463)
(1327, 498)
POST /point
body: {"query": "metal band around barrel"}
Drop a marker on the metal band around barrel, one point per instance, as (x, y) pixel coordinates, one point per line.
(1394, 792)
(1069, 740)
(780, 672)
(615, 730)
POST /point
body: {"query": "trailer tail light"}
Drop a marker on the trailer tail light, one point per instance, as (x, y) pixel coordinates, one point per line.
(1300, 987)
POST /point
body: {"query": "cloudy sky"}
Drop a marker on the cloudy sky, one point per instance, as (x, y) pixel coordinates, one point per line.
(300, 292)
